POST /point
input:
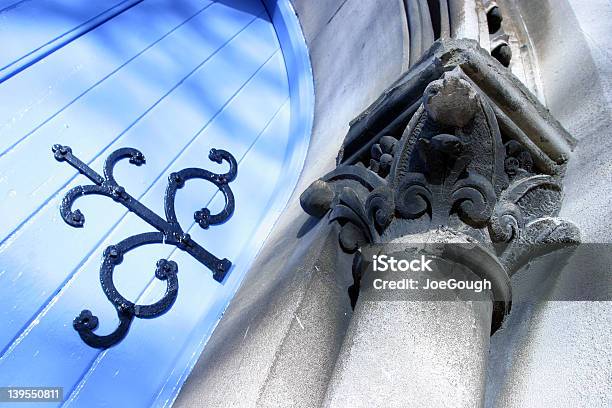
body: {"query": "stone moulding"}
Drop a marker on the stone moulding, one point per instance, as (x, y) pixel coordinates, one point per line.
(519, 114)
(456, 145)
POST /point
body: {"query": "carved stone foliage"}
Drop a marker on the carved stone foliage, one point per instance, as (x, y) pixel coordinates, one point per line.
(456, 158)
(449, 168)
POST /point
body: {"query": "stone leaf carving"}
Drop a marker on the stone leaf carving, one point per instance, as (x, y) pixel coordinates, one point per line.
(447, 167)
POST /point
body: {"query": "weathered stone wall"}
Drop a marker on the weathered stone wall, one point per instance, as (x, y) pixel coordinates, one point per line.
(557, 354)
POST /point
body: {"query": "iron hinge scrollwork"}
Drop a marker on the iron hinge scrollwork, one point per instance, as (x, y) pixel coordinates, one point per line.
(168, 231)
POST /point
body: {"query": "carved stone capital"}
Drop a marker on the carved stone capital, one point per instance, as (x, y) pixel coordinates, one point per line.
(457, 144)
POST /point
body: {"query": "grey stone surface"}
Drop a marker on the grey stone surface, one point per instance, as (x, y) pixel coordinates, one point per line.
(277, 342)
(463, 14)
(557, 354)
(414, 353)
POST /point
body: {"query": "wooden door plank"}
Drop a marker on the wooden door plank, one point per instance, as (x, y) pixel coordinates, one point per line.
(40, 93)
(29, 27)
(30, 280)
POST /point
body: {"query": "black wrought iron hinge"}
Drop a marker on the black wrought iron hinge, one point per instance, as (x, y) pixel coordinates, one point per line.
(168, 231)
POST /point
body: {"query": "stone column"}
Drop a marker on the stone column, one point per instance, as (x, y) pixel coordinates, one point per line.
(413, 354)
(424, 349)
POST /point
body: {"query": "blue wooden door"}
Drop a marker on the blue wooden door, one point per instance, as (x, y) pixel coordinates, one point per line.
(173, 79)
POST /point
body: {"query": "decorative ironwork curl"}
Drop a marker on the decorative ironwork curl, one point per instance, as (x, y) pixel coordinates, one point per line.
(169, 231)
